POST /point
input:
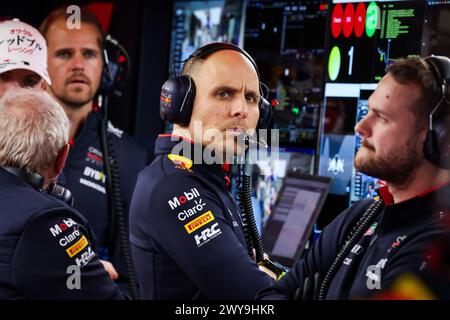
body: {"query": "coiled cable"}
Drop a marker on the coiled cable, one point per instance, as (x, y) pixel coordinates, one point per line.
(357, 231)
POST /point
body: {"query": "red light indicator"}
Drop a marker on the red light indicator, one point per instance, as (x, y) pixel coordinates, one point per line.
(360, 19)
(337, 18)
(349, 16)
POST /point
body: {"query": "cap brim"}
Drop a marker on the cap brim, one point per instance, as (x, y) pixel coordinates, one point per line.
(15, 66)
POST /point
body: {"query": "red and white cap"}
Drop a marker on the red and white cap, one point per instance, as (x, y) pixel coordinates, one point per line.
(22, 47)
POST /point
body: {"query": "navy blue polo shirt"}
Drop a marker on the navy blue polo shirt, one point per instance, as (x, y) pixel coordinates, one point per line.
(186, 231)
(44, 245)
(395, 244)
(85, 177)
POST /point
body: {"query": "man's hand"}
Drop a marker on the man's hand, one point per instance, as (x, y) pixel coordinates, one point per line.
(263, 268)
(268, 271)
(110, 269)
(272, 268)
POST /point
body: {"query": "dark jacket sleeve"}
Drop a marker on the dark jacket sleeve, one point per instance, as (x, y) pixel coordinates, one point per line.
(318, 259)
(200, 240)
(53, 250)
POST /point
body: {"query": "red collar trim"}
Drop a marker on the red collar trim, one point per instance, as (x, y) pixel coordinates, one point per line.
(432, 189)
(95, 106)
(226, 171)
(389, 199)
(227, 181)
(386, 195)
(174, 135)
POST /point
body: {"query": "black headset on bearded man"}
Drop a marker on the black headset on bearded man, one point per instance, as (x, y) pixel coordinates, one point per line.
(178, 94)
(437, 144)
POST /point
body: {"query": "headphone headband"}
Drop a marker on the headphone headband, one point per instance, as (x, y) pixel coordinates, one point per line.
(32, 178)
(437, 143)
(440, 66)
(207, 50)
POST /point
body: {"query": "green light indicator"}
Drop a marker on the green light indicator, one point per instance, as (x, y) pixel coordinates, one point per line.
(295, 110)
(372, 17)
(334, 63)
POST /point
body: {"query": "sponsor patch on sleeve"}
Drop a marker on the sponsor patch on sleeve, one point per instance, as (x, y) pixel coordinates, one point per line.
(199, 222)
(207, 235)
(77, 247)
(61, 228)
(181, 162)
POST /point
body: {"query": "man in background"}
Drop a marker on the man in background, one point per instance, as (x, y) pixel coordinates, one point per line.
(75, 64)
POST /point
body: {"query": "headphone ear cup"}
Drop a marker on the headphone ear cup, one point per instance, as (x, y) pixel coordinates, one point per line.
(442, 140)
(437, 144)
(265, 114)
(429, 149)
(177, 100)
(107, 82)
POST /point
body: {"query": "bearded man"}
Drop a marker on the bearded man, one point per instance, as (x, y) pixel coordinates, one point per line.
(373, 242)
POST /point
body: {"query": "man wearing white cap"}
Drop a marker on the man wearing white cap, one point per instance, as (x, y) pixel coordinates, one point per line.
(23, 57)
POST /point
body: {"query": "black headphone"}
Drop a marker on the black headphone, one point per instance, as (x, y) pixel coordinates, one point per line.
(178, 94)
(37, 182)
(30, 177)
(437, 143)
(116, 67)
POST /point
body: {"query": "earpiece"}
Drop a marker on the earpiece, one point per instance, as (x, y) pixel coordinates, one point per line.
(178, 94)
(437, 143)
(177, 100)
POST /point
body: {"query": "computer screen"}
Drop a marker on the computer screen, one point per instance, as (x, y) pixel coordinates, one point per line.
(286, 39)
(363, 39)
(196, 23)
(289, 226)
(268, 178)
(436, 33)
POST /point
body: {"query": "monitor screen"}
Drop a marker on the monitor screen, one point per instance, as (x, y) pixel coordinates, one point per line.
(286, 39)
(289, 226)
(436, 33)
(196, 23)
(363, 39)
(268, 174)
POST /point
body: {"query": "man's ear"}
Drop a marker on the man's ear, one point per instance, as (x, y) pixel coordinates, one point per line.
(422, 138)
(43, 85)
(61, 159)
(423, 133)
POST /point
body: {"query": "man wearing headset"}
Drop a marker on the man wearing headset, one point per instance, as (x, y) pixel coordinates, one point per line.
(75, 65)
(46, 250)
(186, 230)
(373, 242)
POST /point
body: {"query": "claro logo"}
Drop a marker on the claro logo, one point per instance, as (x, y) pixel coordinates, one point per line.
(187, 196)
(58, 228)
